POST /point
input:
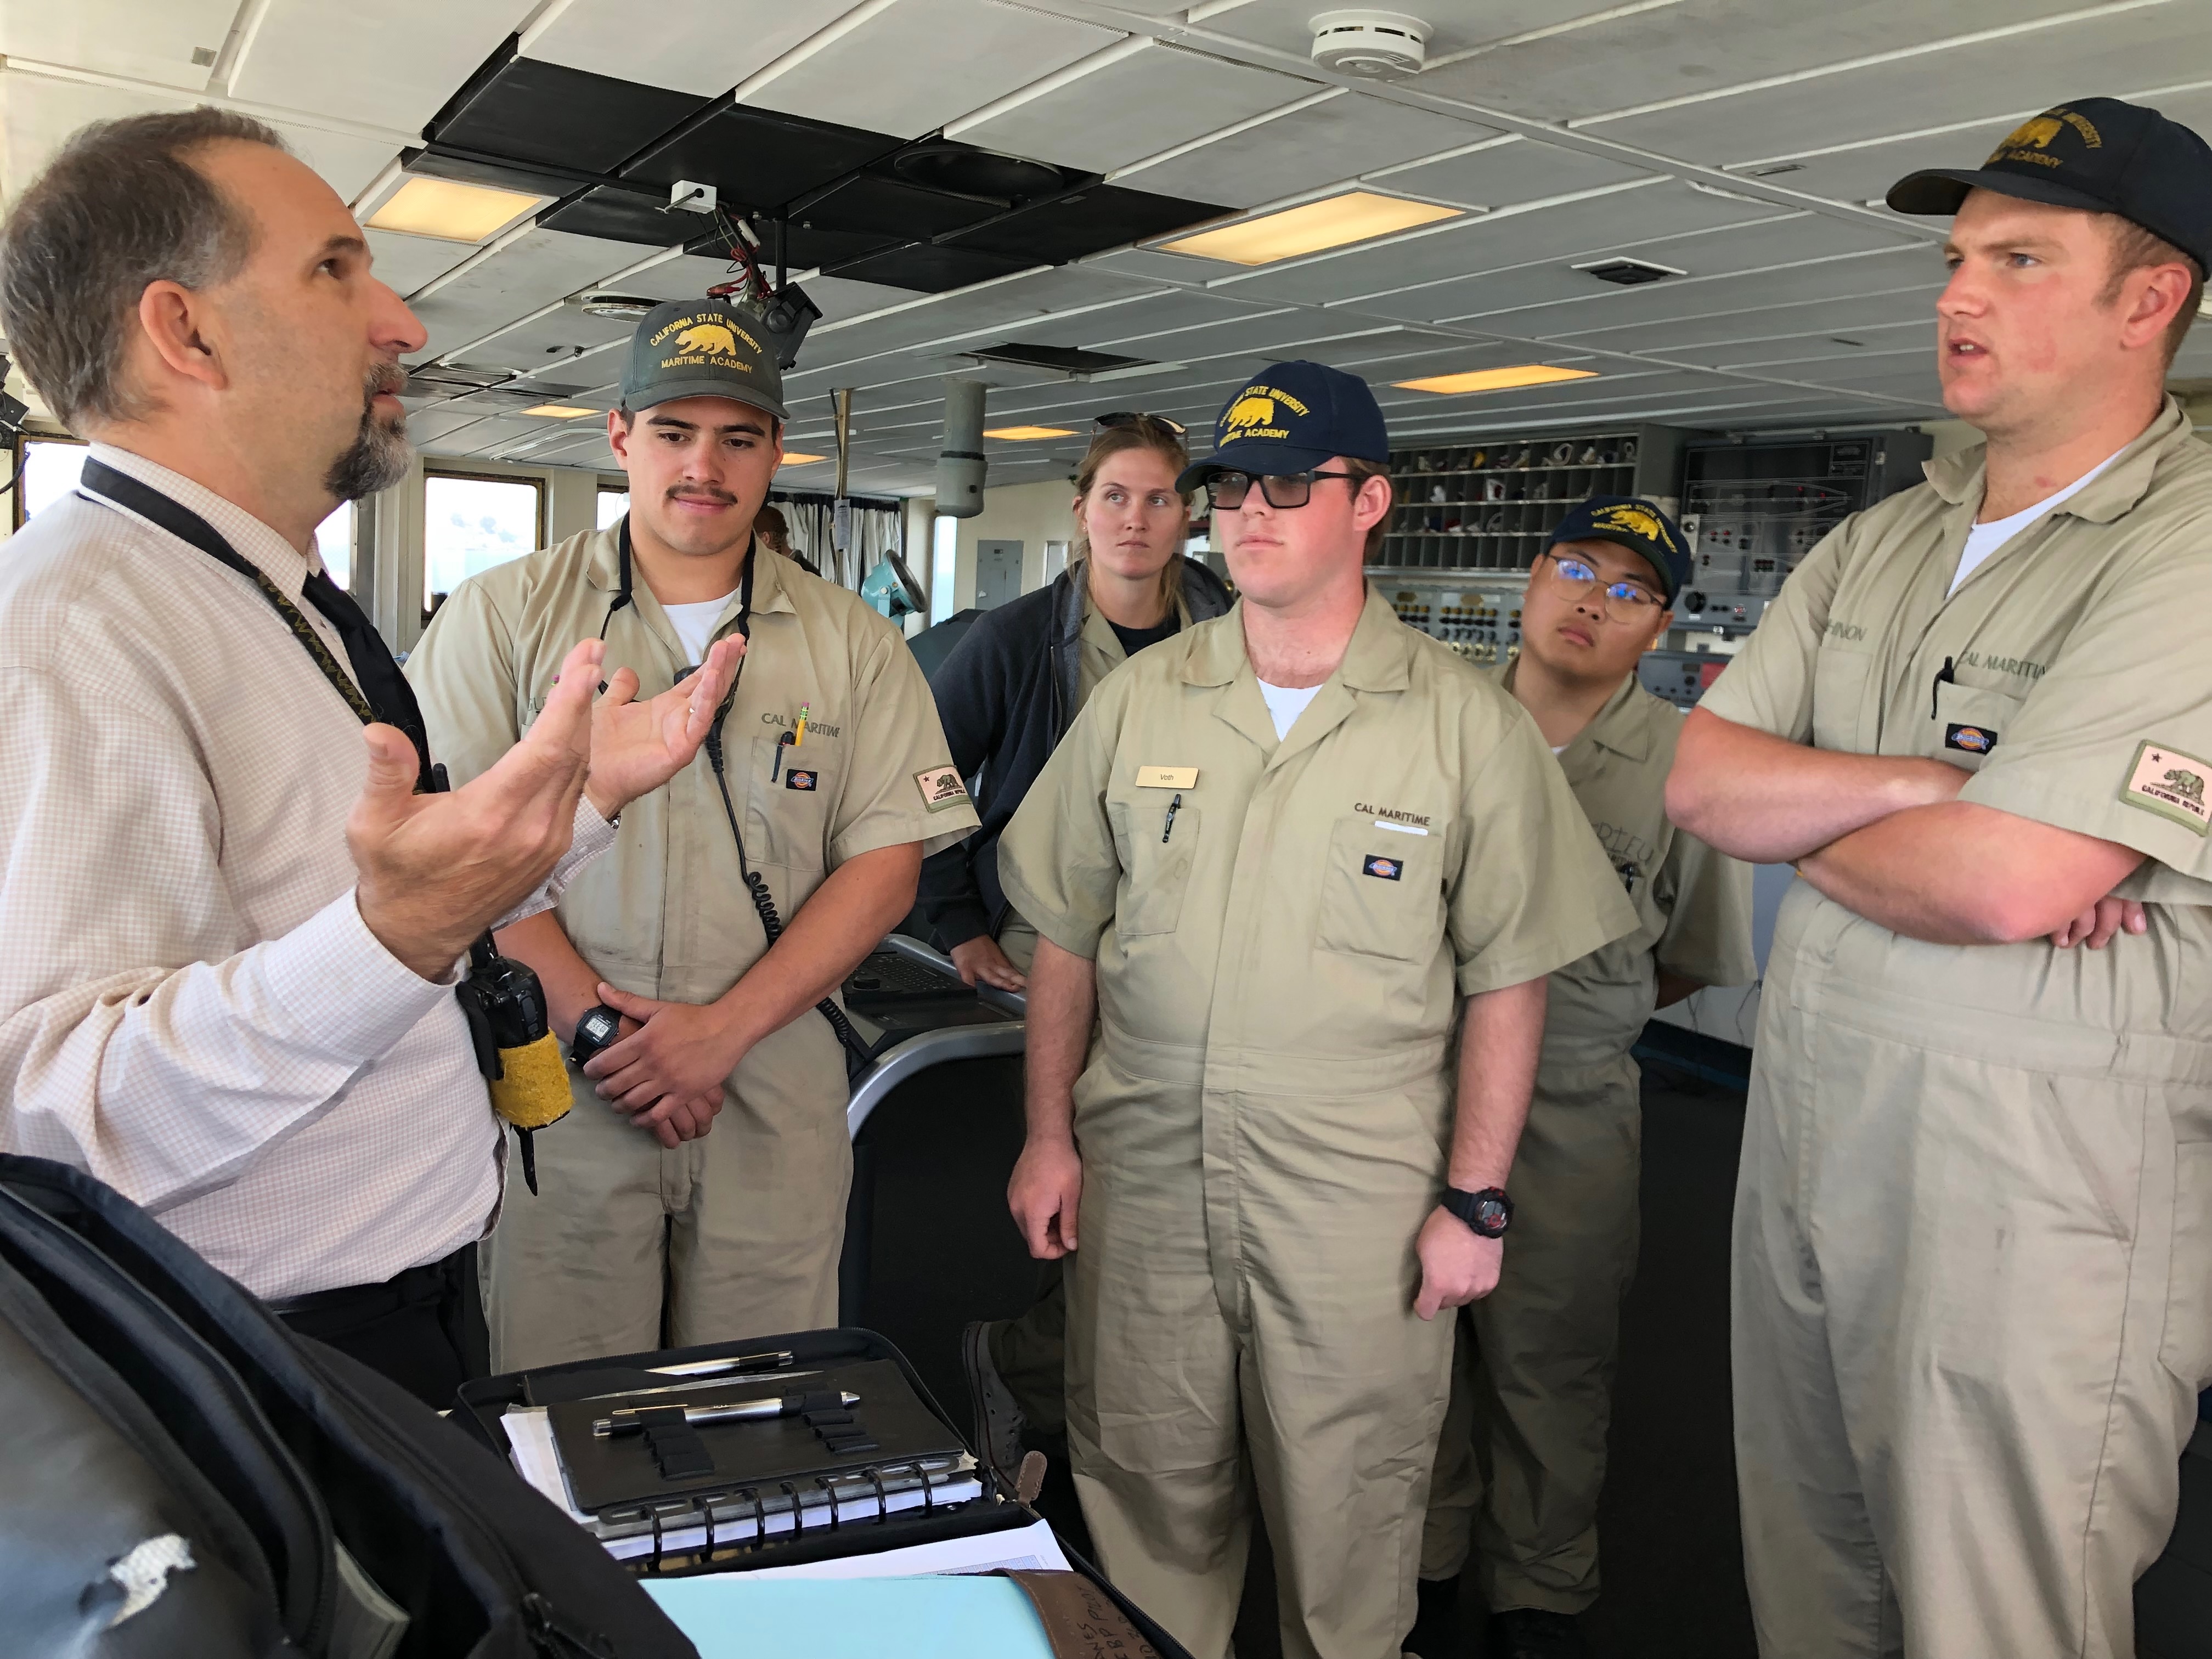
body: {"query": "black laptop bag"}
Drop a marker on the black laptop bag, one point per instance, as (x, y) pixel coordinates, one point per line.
(180, 1475)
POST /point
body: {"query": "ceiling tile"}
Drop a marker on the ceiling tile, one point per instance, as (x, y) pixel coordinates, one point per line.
(1722, 296)
(546, 345)
(403, 264)
(1104, 216)
(758, 158)
(532, 111)
(121, 37)
(1712, 336)
(1569, 231)
(2126, 48)
(1131, 103)
(702, 46)
(1154, 266)
(956, 317)
(1346, 136)
(1704, 255)
(537, 269)
(910, 69)
(1517, 170)
(931, 268)
(1845, 345)
(1700, 45)
(393, 63)
(39, 111)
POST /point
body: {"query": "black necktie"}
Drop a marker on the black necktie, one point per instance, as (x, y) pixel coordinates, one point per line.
(380, 680)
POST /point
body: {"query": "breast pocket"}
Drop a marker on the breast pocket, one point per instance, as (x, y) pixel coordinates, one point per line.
(788, 804)
(1970, 722)
(1157, 851)
(1382, 893)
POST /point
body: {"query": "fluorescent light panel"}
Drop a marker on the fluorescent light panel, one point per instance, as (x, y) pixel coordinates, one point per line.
(562, 411)
(1356, 216)
(1496, 379)
(1026, 434)
(793, 457)
(452, 212)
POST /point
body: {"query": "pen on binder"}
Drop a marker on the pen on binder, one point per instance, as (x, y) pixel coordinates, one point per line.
(627, 1421)
(744, 1362)
(1168, 829)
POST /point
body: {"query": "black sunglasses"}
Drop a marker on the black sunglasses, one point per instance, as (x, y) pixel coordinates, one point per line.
(1227, 490)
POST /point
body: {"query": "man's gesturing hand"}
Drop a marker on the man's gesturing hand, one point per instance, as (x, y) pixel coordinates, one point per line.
(680, 1051)
(435, 871)
(1044, 1194)
(1458, 1265)
(638, 746)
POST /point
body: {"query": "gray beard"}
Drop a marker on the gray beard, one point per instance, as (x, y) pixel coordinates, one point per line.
(377, 458)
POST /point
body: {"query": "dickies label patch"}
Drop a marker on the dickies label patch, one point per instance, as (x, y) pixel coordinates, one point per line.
(1972, 740)
(1384, 868)
(798, 778)
(941, 788)
(2171, 784)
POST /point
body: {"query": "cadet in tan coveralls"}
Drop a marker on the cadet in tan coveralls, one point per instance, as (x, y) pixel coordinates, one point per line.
(1973, 1237)
(1532, 1392)
(743, 1224)
(1295, 839)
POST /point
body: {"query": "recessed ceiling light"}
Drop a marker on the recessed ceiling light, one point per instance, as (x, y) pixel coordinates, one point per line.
(1356, 216)
(452, 212)
(1024, 433)
(1496, 379)
(793, 457)
(629, 307)
(1629, 273)
(562, 411)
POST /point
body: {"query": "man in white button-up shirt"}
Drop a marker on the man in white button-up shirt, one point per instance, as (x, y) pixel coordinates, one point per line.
(232, 926)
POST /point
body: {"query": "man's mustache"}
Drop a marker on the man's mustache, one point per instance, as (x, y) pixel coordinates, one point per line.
(383, 378)
(702, 493)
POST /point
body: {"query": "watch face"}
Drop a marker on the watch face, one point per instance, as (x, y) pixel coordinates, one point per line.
(598, 1025)
(1490, 1214)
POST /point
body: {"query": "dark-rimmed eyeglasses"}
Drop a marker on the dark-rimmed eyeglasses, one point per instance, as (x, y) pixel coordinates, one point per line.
(1627, 601)
(1227, 490)
(1136, 417)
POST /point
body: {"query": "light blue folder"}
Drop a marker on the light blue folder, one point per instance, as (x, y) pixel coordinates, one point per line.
(733, 1616)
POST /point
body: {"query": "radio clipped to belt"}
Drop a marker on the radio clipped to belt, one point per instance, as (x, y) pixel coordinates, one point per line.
(516, 1050)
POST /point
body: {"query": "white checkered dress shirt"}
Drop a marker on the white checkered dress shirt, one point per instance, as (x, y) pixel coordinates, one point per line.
(190, 1008)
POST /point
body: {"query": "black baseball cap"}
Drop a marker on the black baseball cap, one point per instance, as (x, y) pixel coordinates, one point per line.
(2097, 154)
(1294, 417)
(701, 348)
(1642, 527)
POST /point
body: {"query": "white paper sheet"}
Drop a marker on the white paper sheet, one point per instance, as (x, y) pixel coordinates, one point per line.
(1023, 1549)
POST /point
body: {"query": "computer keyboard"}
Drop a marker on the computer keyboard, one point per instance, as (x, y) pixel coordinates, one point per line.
(888, 977)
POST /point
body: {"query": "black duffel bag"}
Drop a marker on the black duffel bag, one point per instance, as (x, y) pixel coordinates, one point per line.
(181, 1475)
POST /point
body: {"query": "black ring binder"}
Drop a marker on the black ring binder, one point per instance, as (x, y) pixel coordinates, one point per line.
(760, 1519)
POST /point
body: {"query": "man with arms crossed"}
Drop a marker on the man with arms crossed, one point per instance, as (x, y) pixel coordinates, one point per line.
(1278, 853)
(1521, 1461)
(837, 772)
(233, 927)
(1973, 1231)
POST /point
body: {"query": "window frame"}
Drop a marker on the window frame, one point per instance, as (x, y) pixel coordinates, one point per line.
(536, 482)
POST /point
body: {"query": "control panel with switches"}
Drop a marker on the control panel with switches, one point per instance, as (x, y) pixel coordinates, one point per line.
(1482, 622)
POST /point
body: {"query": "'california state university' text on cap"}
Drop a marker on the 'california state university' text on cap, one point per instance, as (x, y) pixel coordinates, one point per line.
(701, 348)
(1294, 417)
(1643, 528)
(2101, 155)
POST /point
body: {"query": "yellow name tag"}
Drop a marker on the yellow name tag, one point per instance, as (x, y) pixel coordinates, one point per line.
(1167, 777)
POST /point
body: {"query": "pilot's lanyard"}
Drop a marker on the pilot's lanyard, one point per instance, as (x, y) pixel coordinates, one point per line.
(522, 1062)
(857, 1057)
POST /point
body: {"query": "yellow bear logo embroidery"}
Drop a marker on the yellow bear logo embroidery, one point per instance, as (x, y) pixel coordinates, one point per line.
(1637, 520)
(1250, 409)
(708, 339)
(2039, 132)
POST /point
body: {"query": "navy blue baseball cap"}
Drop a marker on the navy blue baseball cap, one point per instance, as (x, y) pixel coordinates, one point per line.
(1294, 417)
(2098, 154)
(1641, 527)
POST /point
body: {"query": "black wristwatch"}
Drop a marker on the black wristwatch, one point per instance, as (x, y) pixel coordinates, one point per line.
(1489, 1212)
(595, 1029)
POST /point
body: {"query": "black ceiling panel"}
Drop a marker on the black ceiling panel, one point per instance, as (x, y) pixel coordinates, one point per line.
(1103, 217)
(757, 158)
(871, 200)
(471, 169)
(930, 269)
(532, 110)
(620, 216)
(804, 248)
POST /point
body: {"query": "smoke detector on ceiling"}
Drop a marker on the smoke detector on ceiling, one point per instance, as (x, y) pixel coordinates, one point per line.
(1369, 43)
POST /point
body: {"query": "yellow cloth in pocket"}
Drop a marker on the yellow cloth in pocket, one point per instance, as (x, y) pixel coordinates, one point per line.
(532, 1088)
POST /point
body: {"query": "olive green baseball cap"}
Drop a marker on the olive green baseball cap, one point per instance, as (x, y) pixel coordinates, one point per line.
(701, 348)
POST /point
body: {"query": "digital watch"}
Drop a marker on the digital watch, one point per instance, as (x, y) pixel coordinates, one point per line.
(596, 1028)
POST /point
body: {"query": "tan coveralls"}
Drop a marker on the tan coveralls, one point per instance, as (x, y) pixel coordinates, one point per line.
(753, 1214)
(1532, 1386)
(1265, 1118)
(1973, 1231)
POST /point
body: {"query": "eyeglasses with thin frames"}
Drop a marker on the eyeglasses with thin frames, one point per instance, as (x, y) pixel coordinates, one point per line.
(1227, 490)
(1629, 602)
